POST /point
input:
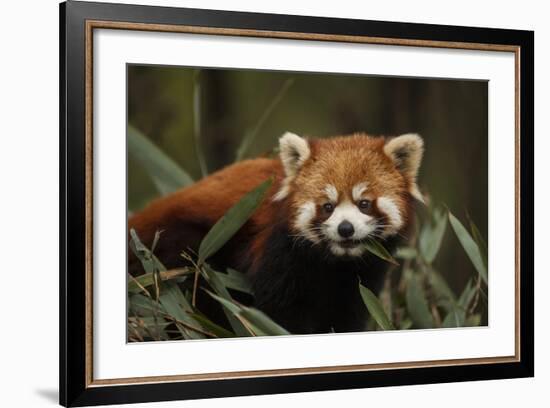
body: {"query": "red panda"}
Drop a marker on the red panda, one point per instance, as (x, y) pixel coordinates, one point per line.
(303, 247)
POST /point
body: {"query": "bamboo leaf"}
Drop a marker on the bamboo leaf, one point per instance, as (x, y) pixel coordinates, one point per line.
(230, 305)
(457, 314)
(149, 261)
(150, 321)
(178, 306)
(467, 295)
(444, 295)
(165, 173)
(263, 322)
(455, 318)
(173, 301)
(255, 320)
(469, 245)
(406, 324)
(232, 312)
(149, 327)
(376, 248)
(432, 234)
(212, 277)
(147, 310)
(147, 279)
(211, 326)
(142, 305)
(473, 321)
(235, 280)
(232, 221)
(481, 244)
(375, 308)
(406, 253)
(251, 135)
(417, 305)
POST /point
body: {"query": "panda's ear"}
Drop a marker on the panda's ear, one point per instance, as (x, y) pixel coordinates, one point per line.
(406, 152)
(294, 151)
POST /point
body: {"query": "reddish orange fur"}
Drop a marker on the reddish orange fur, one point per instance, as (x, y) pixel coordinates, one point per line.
(207, 200)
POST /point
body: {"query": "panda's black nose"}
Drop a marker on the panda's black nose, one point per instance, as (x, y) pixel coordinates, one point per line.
(345, 229)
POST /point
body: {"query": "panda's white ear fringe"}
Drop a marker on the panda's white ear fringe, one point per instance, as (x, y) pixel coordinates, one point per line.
(406, 151)
(294, 151)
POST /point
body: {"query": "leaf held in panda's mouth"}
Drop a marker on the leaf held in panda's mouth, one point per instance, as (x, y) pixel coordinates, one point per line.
(376, 248)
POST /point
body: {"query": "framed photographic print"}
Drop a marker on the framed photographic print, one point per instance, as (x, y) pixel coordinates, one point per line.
(255, 203)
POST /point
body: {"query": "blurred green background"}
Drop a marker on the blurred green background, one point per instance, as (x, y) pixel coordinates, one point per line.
(170, 105)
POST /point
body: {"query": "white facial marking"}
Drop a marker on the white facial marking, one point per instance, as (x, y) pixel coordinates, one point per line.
(302, 223)
(332, 193)
(357, 251)
(395, 221)
(346, 211)
(337, 249)
(357, 190)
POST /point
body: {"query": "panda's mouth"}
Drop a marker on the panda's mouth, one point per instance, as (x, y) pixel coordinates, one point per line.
(350, 243)
(351, 248)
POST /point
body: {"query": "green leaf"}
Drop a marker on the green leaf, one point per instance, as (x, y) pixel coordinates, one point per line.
(147, 279)
(173, 301)
(150, 321)
(212, 277)
(417, 305)
(264, 323)
(432, 234)
(235, 280)
(457, 314)
(377, 249)
(406, 324)
(151, 264)
(143, 305)
(232, 221)
(481, 244)
(467, 295)
(151, 313)
(469, 245)
(229, 304)
(257, 322)
(212, 327)
(375, 308)
(165, 173)
(455, 318)
(444, 295)
(406, 253)
(150, 327)
(232, 311)
(142, 253)
(250, 135)
(178, 306)
(473, 320)
(147, 332)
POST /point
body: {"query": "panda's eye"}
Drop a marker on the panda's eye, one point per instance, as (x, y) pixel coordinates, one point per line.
(328, 207)
(364, 204)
